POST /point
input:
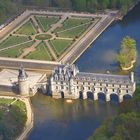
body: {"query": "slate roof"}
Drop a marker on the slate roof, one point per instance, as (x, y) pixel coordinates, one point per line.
(103, 78)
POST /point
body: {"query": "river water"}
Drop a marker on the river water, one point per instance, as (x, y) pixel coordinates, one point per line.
(101, 56)
(58, 120)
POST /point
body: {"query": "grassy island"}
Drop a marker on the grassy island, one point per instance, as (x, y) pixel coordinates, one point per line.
(125, 126)
(12, 118)
(128, 53)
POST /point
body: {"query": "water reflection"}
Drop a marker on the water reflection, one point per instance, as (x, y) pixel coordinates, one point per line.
(57, 119)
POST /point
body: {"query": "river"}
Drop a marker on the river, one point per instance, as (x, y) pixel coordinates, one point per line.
(101, 56)
(58, 120)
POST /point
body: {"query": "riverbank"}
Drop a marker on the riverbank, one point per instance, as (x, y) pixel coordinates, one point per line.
(130, 67)
(29, 122)
(123, 14)
(121, 127)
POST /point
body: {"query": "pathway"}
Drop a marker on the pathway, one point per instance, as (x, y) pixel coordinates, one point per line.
(3, 49)
(20, 35)
(29, 122)
(59, 23)
(64, 38)
(51, 50)
(36, 24)
(74, 27)
(26, 51)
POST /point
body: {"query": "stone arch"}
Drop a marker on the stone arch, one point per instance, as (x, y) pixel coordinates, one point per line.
(81, 96)
(101, 96)
(90, 95)
(127, 96)
(62, 94)
(114, 97)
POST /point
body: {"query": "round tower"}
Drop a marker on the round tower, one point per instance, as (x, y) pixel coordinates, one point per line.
(23, 82)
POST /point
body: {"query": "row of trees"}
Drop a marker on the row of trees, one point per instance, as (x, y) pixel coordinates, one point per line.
(7, 9)
(82, 5)
(10, 7)
(125, 126)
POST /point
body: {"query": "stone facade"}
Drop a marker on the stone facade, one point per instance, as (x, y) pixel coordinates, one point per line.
(67, 82)
(23, 84)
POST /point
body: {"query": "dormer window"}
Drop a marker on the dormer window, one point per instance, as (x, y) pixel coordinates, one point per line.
(94, 79)
(56, 77)
(88, 79)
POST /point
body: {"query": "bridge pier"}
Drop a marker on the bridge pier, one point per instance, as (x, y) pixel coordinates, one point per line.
(120, 97)
(56, 95)
(107, 97)
(75, 96)
(84, 95)
(95, 96)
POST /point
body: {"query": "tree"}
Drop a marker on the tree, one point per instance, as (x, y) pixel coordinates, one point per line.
(128, 52)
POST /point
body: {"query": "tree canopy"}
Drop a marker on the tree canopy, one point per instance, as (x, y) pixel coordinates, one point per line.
(125, 126)
(10, 7)
(128, 52)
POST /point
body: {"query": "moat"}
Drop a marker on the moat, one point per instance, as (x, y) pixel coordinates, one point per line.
(60, 120)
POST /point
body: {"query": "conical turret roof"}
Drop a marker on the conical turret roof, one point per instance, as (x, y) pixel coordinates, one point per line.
(22, 73)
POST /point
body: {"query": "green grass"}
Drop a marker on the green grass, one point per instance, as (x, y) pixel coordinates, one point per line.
(16, 51)
(27, 29)
(75, 32)
(72, 22)
(41, 53)
(12, 118)
(19, 104)
(13, 40)
(46, 22)
(60, 45)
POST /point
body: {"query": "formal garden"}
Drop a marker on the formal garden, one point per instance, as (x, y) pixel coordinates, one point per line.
(41, 52)
(45, 37)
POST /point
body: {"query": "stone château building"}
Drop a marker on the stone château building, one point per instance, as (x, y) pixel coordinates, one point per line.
(68, 82)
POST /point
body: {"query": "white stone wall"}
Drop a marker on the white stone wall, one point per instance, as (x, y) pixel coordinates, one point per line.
(23, 87)
(71, 88)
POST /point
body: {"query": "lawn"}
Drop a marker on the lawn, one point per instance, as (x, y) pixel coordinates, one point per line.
(72, 22)
(27, 29)
(19, 104)
(74, 32)
(13, 40)
(60, 45)
(16, 51)
(41, 53)
(12, 118)
(46, 22)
